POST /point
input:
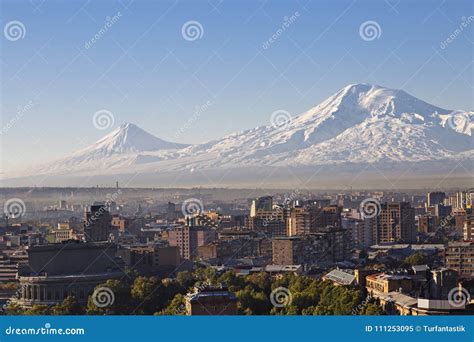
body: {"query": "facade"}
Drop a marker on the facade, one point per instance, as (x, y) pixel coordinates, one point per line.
(63, 233)
(427, 223)
(310, 249)
(261, 204)
(459, 256)
(299, 221)
(48, 279)
(189, 238)
(97, 225)
(395, 223)
(211, 300)
(469, 229)
(359, 231)
(151, 259)
(270, 222)
(442, 211)
(436, 197)
(386, 283)
(224, 250)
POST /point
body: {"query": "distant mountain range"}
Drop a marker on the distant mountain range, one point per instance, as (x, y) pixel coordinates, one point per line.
(361, 125)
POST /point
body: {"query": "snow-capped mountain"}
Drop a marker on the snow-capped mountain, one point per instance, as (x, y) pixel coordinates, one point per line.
(122, 147)
(361, 124)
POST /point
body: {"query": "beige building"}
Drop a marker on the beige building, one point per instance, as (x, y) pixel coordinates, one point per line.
(469, 229)
(459, 256)
(386, 283)
(63, 233)
(298, 222)
(395, 223)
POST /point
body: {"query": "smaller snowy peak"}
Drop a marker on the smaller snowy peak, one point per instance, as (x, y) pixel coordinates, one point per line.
(129, 138)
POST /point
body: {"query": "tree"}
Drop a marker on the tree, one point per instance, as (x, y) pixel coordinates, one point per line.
(14, 309)
(146, 292)
(417, 258)
(372, 309)
(38, 310)
(185, 279)
(176, 307)
(69, 306)
(253, 302)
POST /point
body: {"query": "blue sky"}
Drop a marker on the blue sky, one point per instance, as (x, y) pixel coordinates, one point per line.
(143, 71)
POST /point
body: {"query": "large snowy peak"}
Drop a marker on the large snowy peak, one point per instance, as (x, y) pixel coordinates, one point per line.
(360, 123)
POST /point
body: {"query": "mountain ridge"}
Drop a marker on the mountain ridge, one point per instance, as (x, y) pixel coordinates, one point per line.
(361, 123)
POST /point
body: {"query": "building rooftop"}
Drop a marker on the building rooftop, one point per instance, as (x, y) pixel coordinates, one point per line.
(283, 268)
(340, 277)
(398, 298)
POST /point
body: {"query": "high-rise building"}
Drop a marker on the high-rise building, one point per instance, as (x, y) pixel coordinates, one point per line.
(261, 204)
(469, 229)
(299, 221)
(309, 249)
(62, 204)
(436, 197)
(395, 223)
(171, 211)
(442, 211)
(97, 224)
(461, 199)
(359, 232)
(426, 223)
(189, 238)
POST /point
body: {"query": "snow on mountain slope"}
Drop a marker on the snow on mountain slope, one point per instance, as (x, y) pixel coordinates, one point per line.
(128, 138)
(361, 123)
(125, 146)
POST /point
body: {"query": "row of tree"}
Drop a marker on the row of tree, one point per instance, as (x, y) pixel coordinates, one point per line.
(139, 295)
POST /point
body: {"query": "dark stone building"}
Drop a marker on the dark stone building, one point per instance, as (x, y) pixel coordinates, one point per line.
(211, 300)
